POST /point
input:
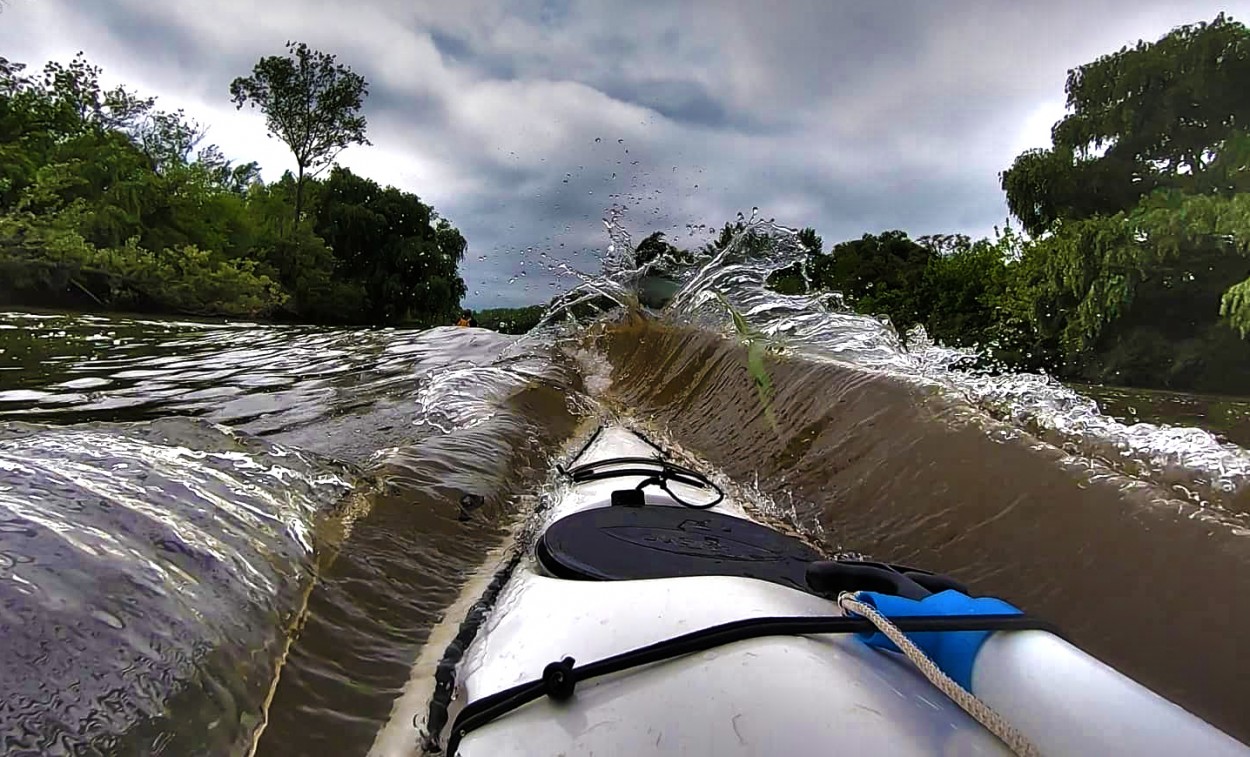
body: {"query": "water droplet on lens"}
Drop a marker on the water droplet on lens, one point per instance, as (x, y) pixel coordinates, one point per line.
(597, 139)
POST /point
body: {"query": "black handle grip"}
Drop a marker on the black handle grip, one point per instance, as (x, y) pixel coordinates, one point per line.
(832, 577)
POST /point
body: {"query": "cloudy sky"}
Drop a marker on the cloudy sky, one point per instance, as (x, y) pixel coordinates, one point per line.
(526, 122)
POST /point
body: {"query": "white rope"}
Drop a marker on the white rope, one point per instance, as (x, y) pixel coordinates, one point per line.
(984, 714)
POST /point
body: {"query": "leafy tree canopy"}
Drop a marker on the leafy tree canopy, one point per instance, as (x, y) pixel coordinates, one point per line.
(311, 102)
(1139, 210)
(108, 202)
(403, 255)
(1167, 114)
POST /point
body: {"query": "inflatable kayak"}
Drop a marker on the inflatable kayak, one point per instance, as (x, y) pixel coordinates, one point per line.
(645, 614)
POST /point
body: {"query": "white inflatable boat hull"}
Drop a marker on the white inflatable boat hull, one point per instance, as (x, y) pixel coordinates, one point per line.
(782, 695)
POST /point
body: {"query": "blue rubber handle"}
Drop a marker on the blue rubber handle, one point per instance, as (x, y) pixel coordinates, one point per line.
(954, 652)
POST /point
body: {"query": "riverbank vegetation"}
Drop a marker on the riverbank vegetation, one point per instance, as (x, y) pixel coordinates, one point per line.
(108, 202)
(1132, 265)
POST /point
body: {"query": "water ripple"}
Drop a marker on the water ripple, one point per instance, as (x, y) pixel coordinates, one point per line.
(139, 565)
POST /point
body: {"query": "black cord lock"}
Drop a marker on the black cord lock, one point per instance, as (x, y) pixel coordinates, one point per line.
(558, 680)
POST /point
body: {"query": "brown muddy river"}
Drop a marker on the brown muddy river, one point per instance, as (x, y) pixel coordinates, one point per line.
(209, 527)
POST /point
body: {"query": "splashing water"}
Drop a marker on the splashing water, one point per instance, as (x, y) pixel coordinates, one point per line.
(1192, 464)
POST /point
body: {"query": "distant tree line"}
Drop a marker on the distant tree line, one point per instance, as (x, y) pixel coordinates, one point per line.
(511, 320)
(107, 202)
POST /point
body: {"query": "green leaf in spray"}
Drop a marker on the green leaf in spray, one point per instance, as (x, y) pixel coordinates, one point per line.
(757, 347)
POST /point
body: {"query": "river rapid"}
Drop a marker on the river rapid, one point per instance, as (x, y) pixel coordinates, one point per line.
(225, 538)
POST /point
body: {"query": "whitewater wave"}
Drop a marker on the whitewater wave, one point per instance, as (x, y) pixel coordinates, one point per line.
(1190, 463)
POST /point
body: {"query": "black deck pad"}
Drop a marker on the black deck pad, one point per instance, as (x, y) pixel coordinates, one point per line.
(621, 543)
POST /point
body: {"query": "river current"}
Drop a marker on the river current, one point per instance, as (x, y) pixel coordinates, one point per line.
(226, 538)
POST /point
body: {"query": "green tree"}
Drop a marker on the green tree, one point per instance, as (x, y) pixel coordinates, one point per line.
(796, 277)
(394, 246)
(103, 205)
(108, 202)
(1165, 114)
(168, 139)
(652, 248)
(963, 285)
(881, 274)
(1141, 258)
(810, 241)
(310, 102)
